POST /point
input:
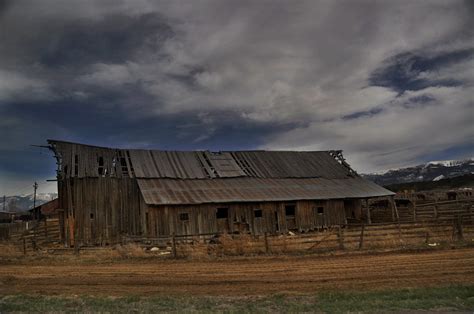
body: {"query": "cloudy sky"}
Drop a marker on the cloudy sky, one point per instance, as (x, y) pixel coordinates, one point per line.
(389, 82)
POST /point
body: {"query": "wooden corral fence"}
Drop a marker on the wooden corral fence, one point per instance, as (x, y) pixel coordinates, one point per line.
(348, 237)
(413, 211)
(9, 229)
(442, 210)
(31, 235)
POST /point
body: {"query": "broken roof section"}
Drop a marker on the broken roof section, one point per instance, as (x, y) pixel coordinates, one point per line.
(78, 160)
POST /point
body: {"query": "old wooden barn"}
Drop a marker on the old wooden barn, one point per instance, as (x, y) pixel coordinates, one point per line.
(105, 193)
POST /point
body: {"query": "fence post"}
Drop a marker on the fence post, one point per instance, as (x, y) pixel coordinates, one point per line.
(173, 242)
(361, 241)
(340, 237)
(267, 249)
(76, 242)
(24, 246)
(46, 228)
(459, 227)
(436, 209)
(399, 232)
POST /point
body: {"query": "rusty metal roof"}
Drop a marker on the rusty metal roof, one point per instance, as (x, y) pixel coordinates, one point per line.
(78, 160)
(226, 190)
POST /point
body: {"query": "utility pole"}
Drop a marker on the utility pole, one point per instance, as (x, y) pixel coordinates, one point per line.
(35, 186)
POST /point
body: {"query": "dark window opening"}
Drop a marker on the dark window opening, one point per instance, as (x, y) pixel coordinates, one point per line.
(222, 213)
(277, 225)
(123, 164)
(452, 196)
(130, 163)
(257, 213)
(319, 210)
(76, 165)
(92, 215)
(184, 216)
(290, 210)
(101, 165)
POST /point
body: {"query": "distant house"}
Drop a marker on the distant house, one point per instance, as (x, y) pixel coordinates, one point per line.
(108, 192)
(48, 209)
(6, 217)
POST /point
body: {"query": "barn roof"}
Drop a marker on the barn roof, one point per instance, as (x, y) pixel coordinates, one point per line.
(78, 160)
(226, 190)
(192, 177)
(48, 208)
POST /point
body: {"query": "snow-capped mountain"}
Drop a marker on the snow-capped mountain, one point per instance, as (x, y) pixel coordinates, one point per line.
(431, 171)
(21, 203)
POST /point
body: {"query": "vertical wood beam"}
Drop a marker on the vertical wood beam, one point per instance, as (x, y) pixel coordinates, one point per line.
(369, 219)
(394, 209)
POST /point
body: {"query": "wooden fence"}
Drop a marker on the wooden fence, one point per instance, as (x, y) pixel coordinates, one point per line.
(7, 229)
(380, 236)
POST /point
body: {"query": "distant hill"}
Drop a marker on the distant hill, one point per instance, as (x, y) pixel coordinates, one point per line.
(466, 180)
(21, 203)
(431, 171)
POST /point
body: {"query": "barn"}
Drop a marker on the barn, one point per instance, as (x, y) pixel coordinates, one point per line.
(105, 193)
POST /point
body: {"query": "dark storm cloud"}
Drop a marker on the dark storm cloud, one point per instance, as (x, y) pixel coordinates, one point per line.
(114, 39)
(401, 72)
(362, 114)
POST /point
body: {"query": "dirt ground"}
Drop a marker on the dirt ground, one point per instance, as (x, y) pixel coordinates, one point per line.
(240, 276)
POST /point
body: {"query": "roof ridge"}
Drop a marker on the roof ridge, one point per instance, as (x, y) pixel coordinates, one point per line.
(52, 141)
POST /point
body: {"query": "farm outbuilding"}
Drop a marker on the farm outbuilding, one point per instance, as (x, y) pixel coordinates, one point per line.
(48, 209)
(105, 193)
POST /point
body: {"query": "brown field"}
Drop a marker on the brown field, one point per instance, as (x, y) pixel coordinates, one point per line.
(253, 276)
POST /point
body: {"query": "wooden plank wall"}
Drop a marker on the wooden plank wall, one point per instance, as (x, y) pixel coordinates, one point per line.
(166, 220)
(102, 208)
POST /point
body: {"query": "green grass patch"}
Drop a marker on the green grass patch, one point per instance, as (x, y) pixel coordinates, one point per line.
(452, 298)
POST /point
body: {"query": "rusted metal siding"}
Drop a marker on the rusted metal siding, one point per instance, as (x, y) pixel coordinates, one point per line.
(171, 191)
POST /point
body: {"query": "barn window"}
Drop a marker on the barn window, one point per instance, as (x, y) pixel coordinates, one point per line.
(101, 165)
(91, 215)
(184, 216)
(290, 210)
(123, 163)
(257, 213)
(319, 210)
(76, 165)
(222, 213)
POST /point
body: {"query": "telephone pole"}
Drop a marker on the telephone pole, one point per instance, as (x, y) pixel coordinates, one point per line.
(35, 186)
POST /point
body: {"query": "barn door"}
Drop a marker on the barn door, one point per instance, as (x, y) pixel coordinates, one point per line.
(277, 221)
(222, 217)
(290, 214)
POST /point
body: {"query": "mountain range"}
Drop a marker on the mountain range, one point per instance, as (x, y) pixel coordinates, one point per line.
(430, 171)
(21, 203)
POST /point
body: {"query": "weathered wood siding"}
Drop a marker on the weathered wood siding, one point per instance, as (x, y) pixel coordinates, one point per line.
(202, 219)
(99, 210)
